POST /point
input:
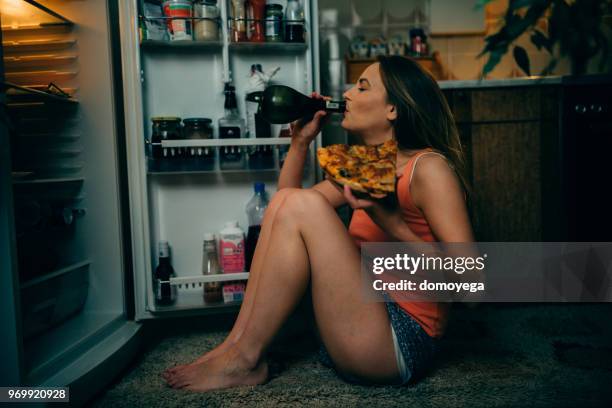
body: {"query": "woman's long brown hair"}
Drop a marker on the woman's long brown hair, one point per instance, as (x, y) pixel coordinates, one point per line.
(424, 118)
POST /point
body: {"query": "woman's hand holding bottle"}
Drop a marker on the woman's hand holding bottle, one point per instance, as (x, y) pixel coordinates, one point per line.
(304, 130)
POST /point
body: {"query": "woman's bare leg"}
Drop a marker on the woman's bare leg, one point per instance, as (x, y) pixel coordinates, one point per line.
(247, 303)
(307, 241)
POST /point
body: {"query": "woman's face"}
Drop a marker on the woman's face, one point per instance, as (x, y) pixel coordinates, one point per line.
(368, 114)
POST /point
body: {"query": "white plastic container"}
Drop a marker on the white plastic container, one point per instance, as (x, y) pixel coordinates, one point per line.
(231, 248)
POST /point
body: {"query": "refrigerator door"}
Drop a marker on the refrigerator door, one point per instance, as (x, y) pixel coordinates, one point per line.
(65, 311)
(169, 200)
(10, 324)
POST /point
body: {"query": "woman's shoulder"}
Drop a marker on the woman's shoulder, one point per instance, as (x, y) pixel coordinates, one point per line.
(432, 176)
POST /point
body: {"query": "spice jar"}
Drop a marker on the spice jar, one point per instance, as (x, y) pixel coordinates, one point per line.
(206, 25)
(274, 22)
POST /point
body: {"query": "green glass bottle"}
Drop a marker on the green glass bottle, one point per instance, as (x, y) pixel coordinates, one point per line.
(282, 104)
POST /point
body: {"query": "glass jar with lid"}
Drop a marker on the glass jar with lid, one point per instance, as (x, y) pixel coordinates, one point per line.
(164, 128)
(199, 157)
(206, 20)
(198, 128)
(274, 22)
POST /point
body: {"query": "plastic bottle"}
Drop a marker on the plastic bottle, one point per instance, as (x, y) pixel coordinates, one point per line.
(231, 243)
(210, 266)
(255, 210)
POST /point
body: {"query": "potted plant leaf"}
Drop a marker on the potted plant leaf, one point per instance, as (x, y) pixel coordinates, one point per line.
(573, 28)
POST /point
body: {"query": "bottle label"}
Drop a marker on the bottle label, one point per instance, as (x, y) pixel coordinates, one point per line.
(233, 292)
(332, 105)
(232, 256)
(229, 132)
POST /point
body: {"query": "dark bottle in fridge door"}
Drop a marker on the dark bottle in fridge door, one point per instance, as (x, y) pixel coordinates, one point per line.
(165, 293)
(255, 210)
(231, 126)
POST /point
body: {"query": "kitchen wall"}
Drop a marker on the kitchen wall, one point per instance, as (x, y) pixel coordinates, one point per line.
(457, 35)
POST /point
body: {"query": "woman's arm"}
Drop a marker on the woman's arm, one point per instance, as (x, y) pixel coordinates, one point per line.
(302, 134)
(291, 176)
(293, 167)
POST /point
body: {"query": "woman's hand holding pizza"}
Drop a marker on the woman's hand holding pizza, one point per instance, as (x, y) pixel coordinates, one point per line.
(388, 218)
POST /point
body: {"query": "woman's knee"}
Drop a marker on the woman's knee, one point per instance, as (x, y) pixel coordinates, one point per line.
(304, 202)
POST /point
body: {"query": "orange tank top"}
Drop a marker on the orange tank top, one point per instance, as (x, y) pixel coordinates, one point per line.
(432, 316)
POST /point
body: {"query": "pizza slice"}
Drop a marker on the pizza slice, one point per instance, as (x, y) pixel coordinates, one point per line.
(365, 169)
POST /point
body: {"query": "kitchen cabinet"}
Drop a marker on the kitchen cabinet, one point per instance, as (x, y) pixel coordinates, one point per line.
(512, 143)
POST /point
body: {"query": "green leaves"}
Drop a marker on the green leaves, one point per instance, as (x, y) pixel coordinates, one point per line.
(541, 41)
(575, 26)
(522, 59)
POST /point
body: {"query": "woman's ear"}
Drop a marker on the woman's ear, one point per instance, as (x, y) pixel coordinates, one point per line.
(391, 113)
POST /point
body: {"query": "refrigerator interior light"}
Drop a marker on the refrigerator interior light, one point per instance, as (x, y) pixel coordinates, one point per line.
(24, 14)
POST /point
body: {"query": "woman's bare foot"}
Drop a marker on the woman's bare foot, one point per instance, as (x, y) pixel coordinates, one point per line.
(220, 349)
(228, 369)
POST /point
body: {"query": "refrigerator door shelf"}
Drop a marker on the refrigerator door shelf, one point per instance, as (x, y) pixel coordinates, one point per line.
(226, 142)
(199, 280)
(268, 47)
(183, 45)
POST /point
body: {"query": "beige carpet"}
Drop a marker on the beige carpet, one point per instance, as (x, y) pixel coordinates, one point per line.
(493, 356)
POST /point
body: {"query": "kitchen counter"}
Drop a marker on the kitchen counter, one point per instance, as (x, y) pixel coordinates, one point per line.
(521, 82)
(527, 81)
(501, 83)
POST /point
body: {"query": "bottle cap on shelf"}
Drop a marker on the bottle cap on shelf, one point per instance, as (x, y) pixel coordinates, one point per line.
(231, 224)
(209, 236)
(164, 249)
(259, 187)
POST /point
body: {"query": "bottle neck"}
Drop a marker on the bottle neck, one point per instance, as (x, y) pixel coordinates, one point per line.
(231, 105)
(164, 261)
(231, 113)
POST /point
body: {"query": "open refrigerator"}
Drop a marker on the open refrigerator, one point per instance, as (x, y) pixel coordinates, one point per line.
(81, 185)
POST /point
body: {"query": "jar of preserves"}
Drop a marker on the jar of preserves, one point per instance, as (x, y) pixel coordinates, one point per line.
(274, 22)
(206, 23)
